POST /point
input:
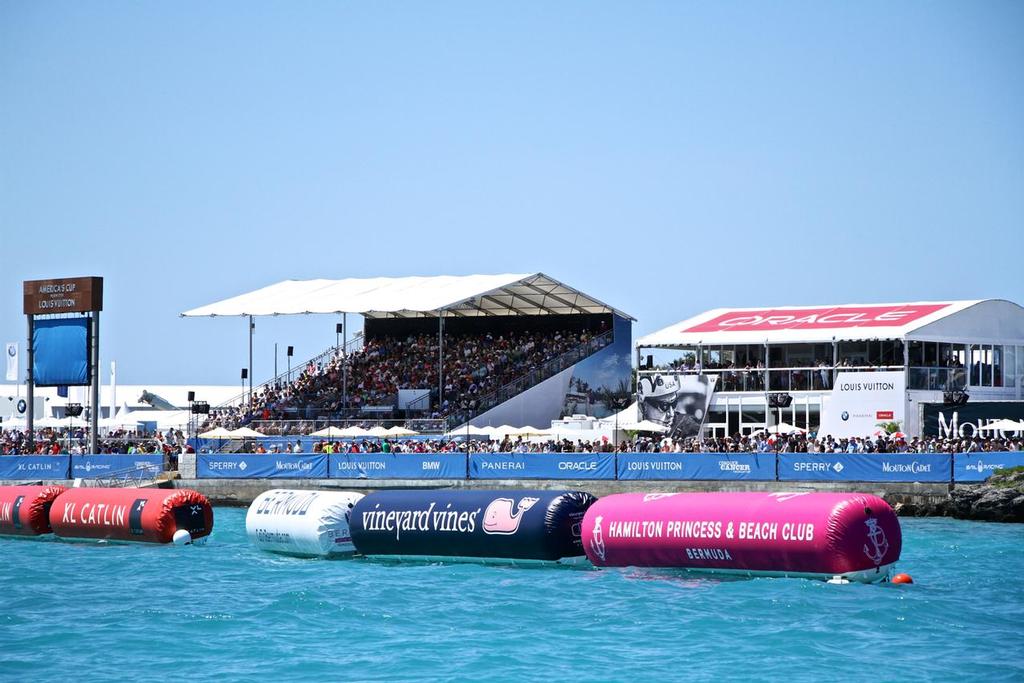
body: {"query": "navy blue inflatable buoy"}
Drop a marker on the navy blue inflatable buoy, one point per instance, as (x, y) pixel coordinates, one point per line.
(468, 524)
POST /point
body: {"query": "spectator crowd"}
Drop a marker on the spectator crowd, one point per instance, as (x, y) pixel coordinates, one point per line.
(474, 367)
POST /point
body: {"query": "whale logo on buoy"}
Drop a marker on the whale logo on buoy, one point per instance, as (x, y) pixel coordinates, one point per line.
(880, 545)
(597, 540)
(499, 518)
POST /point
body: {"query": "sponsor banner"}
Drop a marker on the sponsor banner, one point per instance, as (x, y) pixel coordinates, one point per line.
(512, 525)
(677, 402)
(12, 362)
(542, 466)
(32, 467)
(980, 466)
(397, 466)
(826, 318)
(927, 467)
(697, 466)
(958, 421)
(861, 400)
(93, 466)
(248, 466)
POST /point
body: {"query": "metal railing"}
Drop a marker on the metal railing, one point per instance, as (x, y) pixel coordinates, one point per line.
(284, 378)
(808, 378)
(305, 427)
(131, 477)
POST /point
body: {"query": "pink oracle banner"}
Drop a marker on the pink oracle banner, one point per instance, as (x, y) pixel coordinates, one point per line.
(802, 534)
(831, 317)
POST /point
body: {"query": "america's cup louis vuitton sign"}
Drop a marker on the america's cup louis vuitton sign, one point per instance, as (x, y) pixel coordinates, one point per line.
(67, 295)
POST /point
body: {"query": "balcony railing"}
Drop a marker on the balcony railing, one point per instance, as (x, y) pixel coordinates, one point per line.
(809, 378)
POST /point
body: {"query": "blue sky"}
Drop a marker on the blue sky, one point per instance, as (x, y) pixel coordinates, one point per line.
(665, 157)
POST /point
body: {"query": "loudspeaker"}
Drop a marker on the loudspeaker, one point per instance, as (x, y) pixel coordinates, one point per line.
(191, 396)
(650, 362)
(245, 373)
(200, 408)
(291, 351)
(339, 328)
(73, 409)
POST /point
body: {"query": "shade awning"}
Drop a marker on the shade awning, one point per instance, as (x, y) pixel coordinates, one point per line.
(413, 297)
(803, 324)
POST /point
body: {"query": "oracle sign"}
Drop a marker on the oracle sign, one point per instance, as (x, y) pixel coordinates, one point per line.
(831, 317)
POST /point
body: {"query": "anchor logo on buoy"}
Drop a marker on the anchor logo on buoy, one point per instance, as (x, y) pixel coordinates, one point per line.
(597, 542)
(877, 537)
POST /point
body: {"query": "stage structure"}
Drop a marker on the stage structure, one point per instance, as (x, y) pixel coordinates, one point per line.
(451, 305)
(842, 370)
(64, 348)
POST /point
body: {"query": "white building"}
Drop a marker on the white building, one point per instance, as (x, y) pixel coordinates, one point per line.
(847, 367)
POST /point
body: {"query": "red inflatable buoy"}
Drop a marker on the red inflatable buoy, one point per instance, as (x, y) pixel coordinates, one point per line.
(25, 510)
(902, 578)
(146, 515)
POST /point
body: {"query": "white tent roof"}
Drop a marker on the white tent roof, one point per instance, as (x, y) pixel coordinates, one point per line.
(418, 297)
(993, 319)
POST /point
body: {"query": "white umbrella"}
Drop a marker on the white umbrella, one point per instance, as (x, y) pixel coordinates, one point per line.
(378, 431)
(1002, 426)
(245, 433)
(472, 431)
(528, 431)
(14, 423)
(353, 431)
(331, 432)
(119, 419)
(785, 428)
(401, 431)
(218, 433)
(643, 426)
(59, 422)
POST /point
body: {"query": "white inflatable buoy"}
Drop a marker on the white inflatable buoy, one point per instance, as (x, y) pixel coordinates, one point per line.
(302, 523)
(182, 537)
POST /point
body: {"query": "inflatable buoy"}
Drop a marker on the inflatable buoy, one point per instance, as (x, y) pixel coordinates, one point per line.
(849, 536)
(128, 514)
(466, 524)
(302, 523)
(902, 578)
(25, 510)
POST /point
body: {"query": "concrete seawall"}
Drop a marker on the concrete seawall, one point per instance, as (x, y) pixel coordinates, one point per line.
(914, 497)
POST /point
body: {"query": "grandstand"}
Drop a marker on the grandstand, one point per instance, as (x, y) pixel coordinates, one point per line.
(443, 351)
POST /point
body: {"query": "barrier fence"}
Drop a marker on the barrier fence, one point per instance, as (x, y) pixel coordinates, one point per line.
(841, 467)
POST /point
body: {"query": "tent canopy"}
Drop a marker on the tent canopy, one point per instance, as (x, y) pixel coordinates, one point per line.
(413, 297)
(994, 319)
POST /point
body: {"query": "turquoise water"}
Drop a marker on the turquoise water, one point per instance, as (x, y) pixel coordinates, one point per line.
(90, 612)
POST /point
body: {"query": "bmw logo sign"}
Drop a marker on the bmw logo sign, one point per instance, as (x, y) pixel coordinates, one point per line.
(845, 416)
(22, 406)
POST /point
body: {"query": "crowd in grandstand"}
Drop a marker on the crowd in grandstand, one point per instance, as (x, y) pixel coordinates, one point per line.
(474, 366)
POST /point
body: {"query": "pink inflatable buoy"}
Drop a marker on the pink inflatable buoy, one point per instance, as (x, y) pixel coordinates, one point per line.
(854, 536)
